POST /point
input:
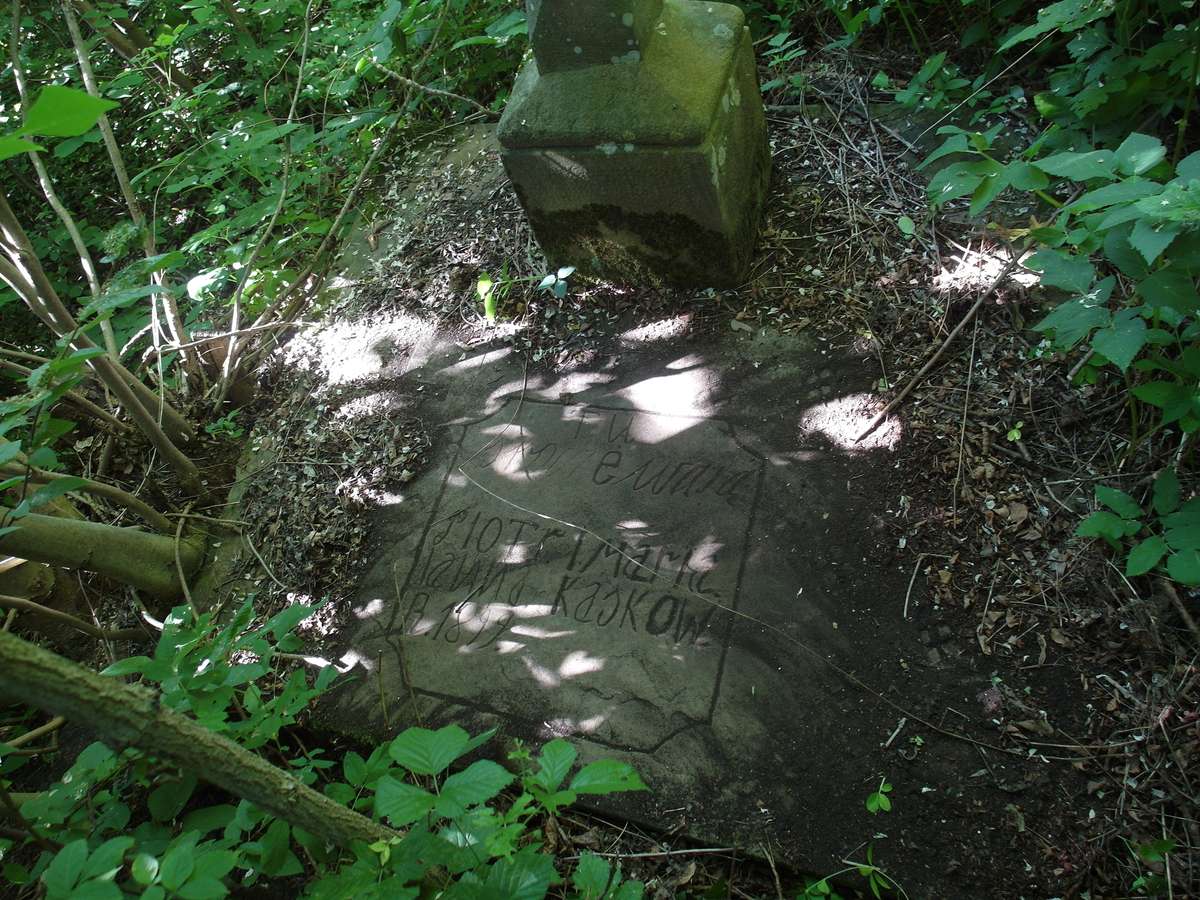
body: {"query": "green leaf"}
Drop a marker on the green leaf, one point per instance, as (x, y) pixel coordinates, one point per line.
(354, 767)
(1189, 167)
(478, 783)
(527, 876)
(214, 864)
(107, 858)
(1104, 524)
(606, 776)
(56, 488)
(1121, 341)
(1156, 850)
(1139, 153)
(1118, 501)
(64, 112)
(1151, 240)
(1186, 537)
(994, 178)
(1074, 274)
(1171, 288)
(591, 876)
(1145, 556)
(956, 143)
(1166, 492)
(66, 867)
(952, 182)
(554, 762)
(906, 225)
(1184, 566)
(177, 863)
(1074, 320)
(97, 889)
(203, 889)
(10, 146)
(144, 868)
(1079, 166)
(401, 803)
(168, 799)
(1174, 399)
(428, 752)
(1111, 194)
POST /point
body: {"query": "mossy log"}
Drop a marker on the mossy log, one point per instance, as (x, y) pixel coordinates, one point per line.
(125, 715)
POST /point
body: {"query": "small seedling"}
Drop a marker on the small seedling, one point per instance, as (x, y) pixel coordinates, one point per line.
(878, 801)
(1014, 433)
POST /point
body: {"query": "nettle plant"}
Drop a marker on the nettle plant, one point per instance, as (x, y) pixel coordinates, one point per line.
(1164, 538)
(1123, 248)
(120, 823)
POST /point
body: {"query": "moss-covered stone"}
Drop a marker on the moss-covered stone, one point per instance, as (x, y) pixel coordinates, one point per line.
(657, 166)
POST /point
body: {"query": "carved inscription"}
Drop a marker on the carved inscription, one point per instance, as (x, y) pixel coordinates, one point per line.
(588, 550)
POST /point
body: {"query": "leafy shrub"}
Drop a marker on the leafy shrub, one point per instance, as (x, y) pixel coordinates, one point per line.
(120, 824)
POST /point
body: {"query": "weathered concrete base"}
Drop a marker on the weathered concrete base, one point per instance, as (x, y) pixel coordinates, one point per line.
(651, 167)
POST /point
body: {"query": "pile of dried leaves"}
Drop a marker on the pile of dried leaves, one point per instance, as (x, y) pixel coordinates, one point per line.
(315, 474)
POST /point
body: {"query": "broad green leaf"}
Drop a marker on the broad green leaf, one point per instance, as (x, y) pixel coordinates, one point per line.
(1151, 240)
(1118, 251)
(554, 762)
(203, 888)
(11, 145)
(952, 182)
(214, 863)
(1174, 399)
(1079, 166)
(1145, 556)
(591, 876)
(1105, 525)
(354, 767)
(478, 783)
(906, 225)
(1171, 288)
(55, 489)
(1185, 537)
(1121, 192)
(61, 111)
(64, 870)
(994, 178)
(401, 803)
(1189, 167)
(1118, 501)
(1121, 341)
(1184, 566)
(144, 868)
(177, 863)
(1066, 15)
(1166, 492)
(1072, 321)
(1063, 271)
(108, 857)
(606, 776)
(168, 799)
(527, 876)
(96, 889)
(428, 752)
(1139, 153)
(956, 143)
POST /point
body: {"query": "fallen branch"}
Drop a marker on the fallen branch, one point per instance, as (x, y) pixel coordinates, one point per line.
(138, 507)
(437, 92)
(925, 369)
(124, 715)
(101, 634)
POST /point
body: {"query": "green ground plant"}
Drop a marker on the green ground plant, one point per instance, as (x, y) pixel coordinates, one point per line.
(120, 823)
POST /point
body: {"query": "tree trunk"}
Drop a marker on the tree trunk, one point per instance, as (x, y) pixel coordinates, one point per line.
(129, 555)
(125, 37)
(125, 715)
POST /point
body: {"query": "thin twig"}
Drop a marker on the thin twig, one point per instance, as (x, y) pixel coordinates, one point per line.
(916, 379)
(437, 92)
(103, 634)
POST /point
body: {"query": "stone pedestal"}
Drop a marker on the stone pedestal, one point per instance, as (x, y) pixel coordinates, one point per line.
(636, 139)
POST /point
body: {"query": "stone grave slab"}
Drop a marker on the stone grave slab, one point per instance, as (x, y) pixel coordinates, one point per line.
(571, 568)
